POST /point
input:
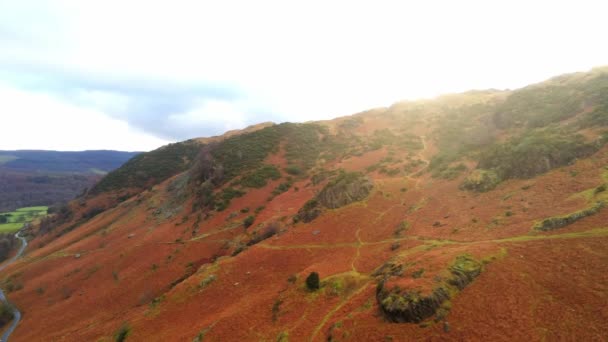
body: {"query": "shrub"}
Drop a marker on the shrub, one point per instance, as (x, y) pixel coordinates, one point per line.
(259, 177)
(449, 172)
(600, 188)
(401, 227)
(293, 170)
(312, 281)
(248, 221)
(534, 153)
(310, 211)
(6, 313)
(481, 181)
(151, 168)
(259, 209)
(264, 234)
(281, 188)
(122, 333)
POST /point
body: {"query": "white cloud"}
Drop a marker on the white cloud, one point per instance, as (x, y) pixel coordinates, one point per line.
(39, 121)
(306, 60)
(223, 114)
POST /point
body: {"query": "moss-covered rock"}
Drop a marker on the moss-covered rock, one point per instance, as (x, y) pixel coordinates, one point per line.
(411, 306)
(481, 181)
(557, 222)
(346, 188)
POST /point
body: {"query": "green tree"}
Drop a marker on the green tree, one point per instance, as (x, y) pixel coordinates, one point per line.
(312, 281)
(248, 221)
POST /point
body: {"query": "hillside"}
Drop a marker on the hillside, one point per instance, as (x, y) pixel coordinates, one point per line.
(31, 178)
(473, 216)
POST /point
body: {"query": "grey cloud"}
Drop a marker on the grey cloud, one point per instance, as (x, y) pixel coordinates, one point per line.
(144, 104)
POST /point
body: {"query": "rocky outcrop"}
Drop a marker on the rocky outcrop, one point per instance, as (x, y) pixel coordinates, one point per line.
(346, 188)
(411, 306)
(562, 221)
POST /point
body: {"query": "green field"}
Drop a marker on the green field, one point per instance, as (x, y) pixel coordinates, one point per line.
(16, 219)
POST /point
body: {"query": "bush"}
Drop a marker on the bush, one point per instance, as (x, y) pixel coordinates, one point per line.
(312, 281)
(248, 221)
(6, 313)
(259, 177)
(151, 168)
(449, 172)
(310, 211)
(293, 170)
(122, 333)
(269, 231)
(534, 153)
(481, 181)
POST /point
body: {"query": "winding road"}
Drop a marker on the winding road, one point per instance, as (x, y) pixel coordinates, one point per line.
(16, 312)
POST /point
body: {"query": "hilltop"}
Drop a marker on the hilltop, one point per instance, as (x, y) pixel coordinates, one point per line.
(473, 216)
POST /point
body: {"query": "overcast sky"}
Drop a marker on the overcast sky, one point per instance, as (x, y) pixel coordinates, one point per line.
(134, 75)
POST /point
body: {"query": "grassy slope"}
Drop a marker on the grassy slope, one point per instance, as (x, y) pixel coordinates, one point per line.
(167, 270)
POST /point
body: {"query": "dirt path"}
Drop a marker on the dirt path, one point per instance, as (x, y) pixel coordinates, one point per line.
(16, 313)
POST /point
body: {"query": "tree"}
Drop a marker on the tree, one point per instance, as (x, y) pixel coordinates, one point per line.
(3, 219)
(312, 281)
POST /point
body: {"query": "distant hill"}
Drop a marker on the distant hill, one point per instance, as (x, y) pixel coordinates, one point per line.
(56, 161)
(30, 178)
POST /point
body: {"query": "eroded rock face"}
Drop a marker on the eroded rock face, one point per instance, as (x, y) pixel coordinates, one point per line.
(346, 188)
(410, 306)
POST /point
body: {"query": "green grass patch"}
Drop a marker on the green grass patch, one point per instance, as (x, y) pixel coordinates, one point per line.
(10, 227)
(14, 220)
(39, 209)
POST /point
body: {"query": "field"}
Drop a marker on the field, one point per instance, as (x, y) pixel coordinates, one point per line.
(16, 219)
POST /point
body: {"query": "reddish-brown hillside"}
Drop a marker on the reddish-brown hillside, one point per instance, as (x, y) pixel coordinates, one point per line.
(475, 216)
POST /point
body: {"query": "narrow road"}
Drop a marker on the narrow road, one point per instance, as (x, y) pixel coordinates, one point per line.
(16, 312)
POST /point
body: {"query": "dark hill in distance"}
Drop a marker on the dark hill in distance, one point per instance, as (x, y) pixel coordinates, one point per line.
(34, 177)
(56, 161)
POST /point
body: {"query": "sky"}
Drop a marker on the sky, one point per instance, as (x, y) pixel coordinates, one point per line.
(135, 75)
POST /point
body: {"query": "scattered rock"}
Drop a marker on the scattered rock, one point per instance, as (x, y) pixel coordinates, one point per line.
(316, 232)
(77, 256)
(131, 235)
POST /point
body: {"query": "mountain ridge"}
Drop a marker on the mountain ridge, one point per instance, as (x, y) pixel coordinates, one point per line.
(423, 213)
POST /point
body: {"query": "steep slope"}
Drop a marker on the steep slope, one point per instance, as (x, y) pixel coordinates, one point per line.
(418, 218)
